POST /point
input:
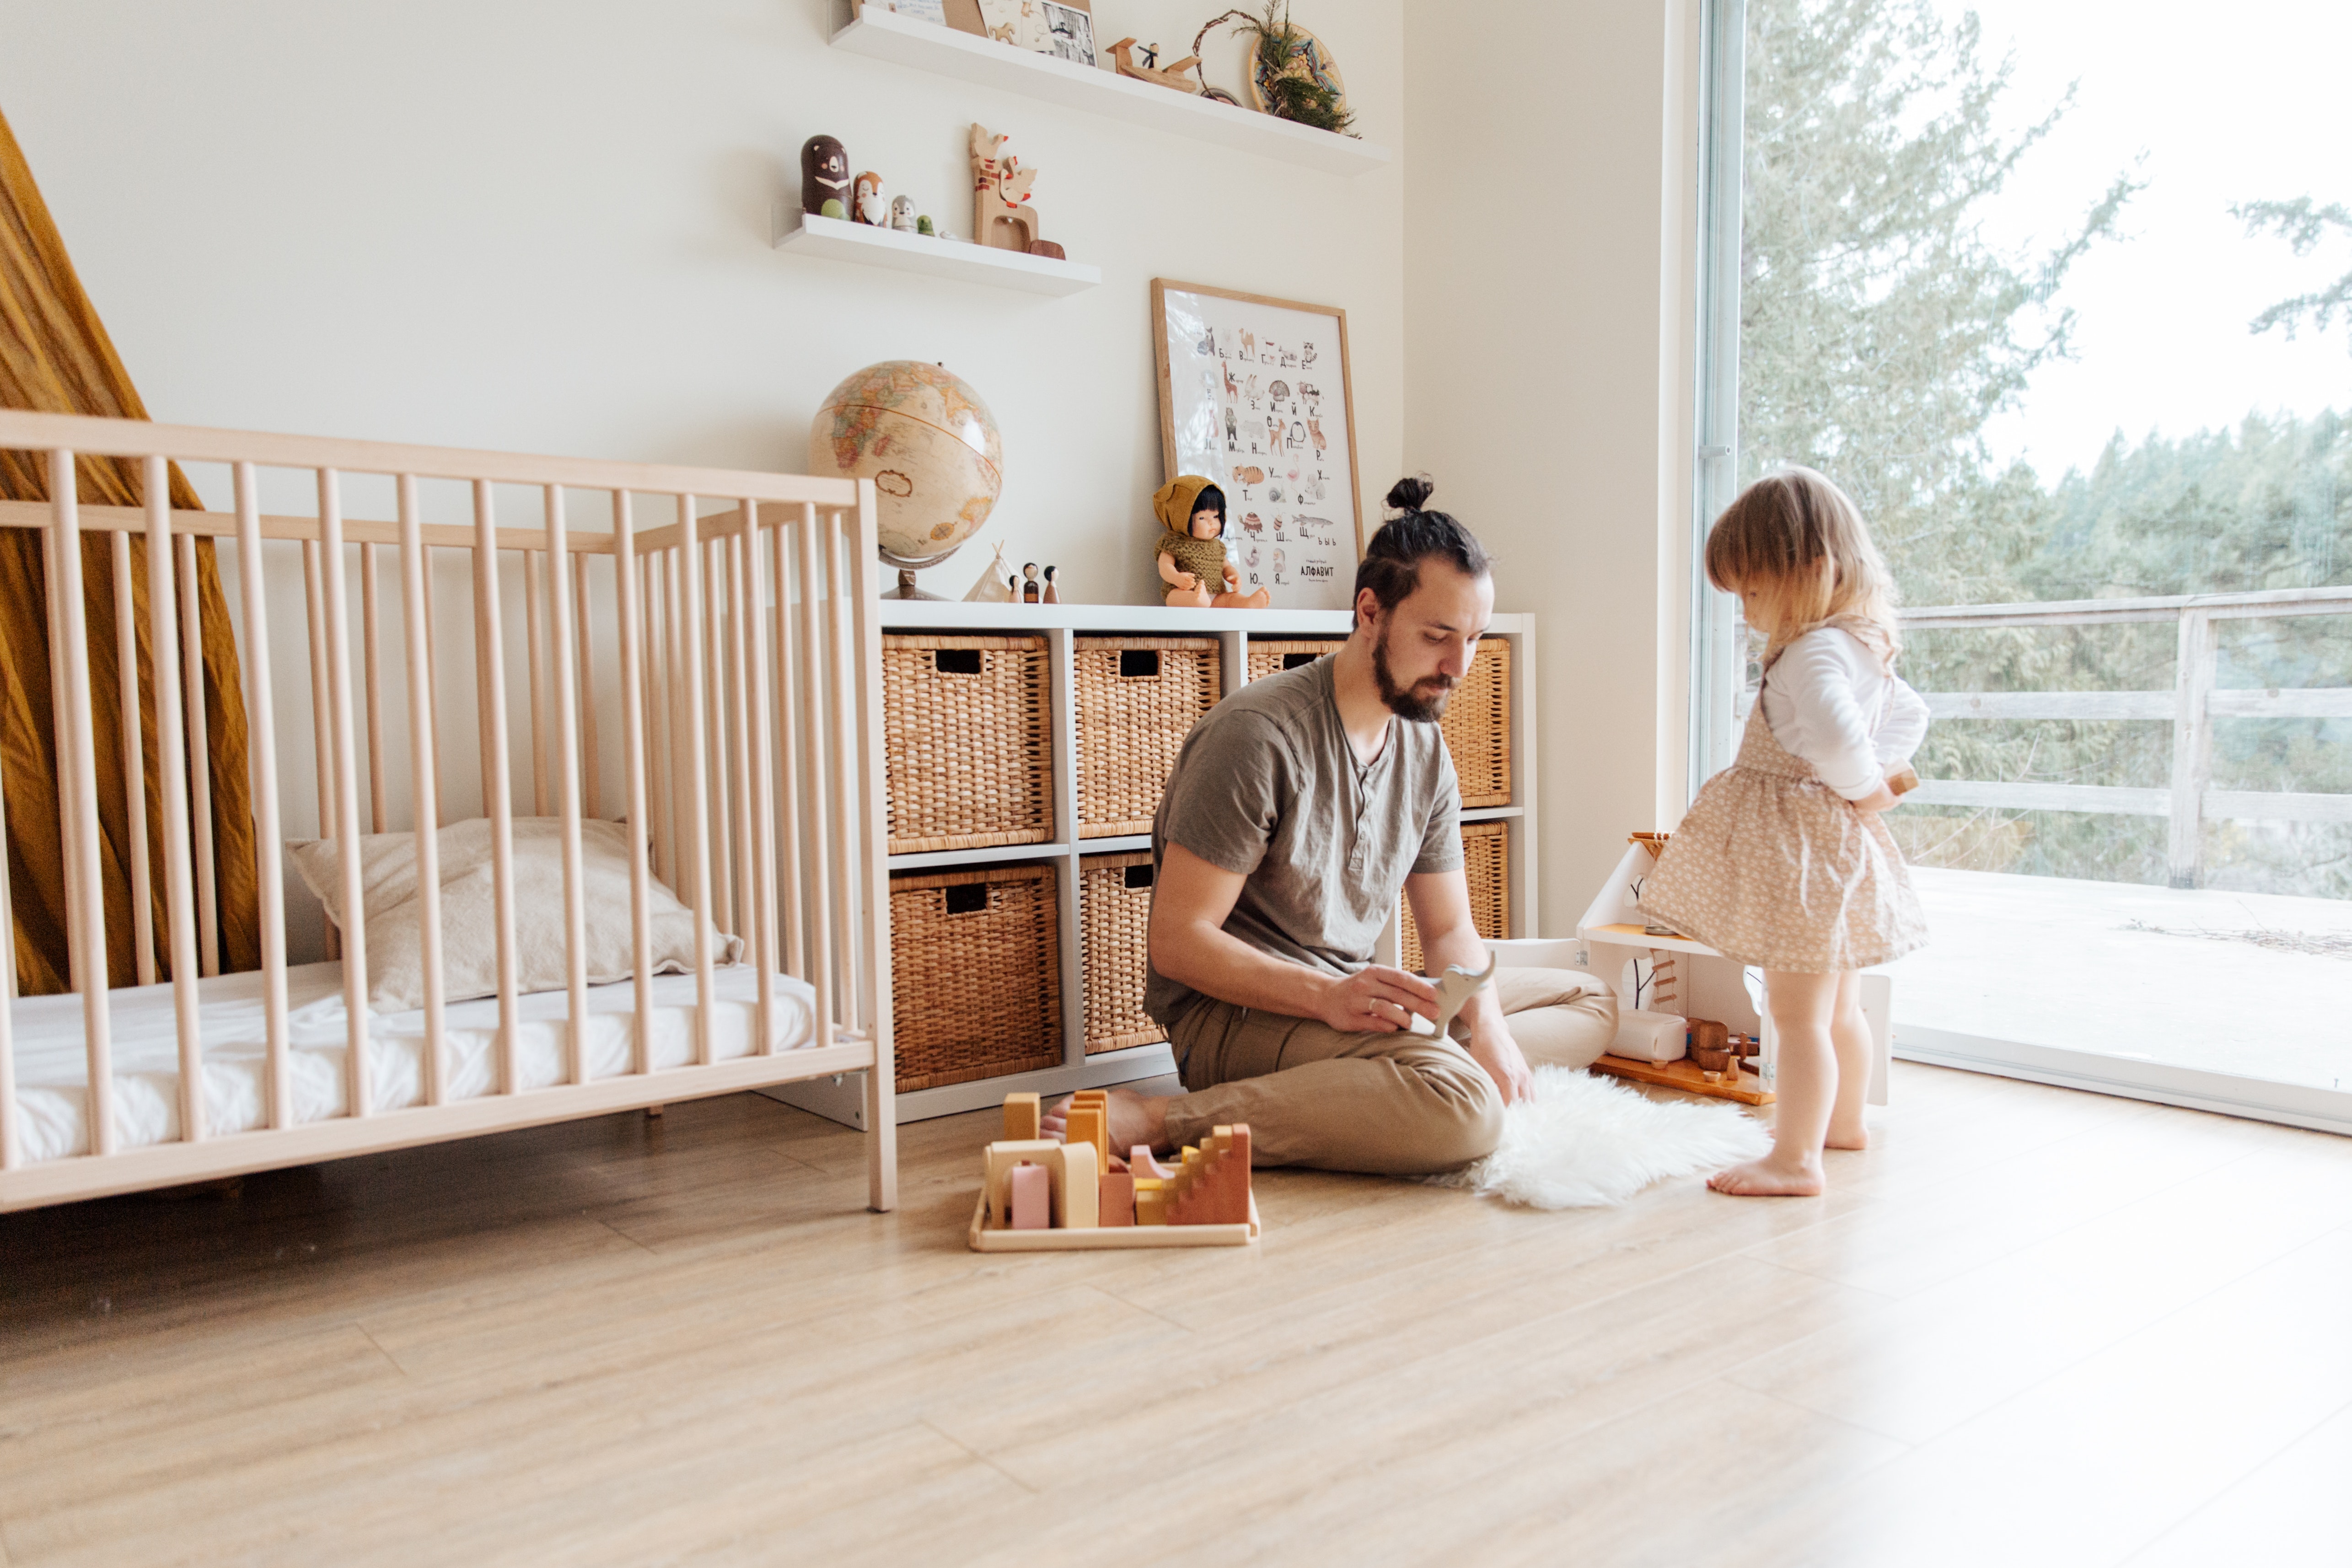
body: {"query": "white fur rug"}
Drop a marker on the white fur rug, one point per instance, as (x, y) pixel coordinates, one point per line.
(1583, 1142)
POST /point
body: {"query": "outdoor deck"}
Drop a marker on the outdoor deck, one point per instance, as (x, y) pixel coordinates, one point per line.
(2095, 966)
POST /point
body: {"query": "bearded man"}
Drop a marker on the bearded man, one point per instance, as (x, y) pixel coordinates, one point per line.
(1299, 809)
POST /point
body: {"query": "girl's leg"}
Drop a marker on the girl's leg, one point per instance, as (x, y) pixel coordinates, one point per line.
(1850, 1037)
(1803, 1006)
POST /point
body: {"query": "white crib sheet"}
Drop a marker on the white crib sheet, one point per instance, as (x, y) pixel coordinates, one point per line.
(52, 1063)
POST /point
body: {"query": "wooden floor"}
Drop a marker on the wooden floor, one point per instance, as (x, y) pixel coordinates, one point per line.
(2032, 1327)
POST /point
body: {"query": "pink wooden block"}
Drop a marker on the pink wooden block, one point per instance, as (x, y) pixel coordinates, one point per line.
(1139, 1163)
(1118, 1199)
(1032, 1198)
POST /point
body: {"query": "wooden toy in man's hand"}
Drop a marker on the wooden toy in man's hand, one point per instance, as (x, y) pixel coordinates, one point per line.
(1457, 986)
(1191, 552)
(825, 177)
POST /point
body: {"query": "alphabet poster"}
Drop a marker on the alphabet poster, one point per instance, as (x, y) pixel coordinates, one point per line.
(1254, 393)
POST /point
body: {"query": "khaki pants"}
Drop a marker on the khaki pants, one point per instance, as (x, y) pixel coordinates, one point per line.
(1397, 1104)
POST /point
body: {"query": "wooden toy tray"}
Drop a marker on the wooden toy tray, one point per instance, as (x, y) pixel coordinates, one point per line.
(986, 1239)
(1685, 1075)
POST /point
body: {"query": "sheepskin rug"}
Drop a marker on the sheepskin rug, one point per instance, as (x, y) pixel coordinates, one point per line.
(1585, 1141)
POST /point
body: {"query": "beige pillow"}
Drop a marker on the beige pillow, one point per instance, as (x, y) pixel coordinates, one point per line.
(469, 958)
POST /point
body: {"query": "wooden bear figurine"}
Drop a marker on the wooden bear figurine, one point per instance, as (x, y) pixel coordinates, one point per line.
(824, 178)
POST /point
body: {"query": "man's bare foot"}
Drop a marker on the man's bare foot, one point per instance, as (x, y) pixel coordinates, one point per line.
(1134, 1119)
(1846, 1135)
(1766, 1178)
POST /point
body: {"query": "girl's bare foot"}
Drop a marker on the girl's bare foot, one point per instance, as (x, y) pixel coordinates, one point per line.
(1134, 1119)
(1844, 1134)
(1766, 1178)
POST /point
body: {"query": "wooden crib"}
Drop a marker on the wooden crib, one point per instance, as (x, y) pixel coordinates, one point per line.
(734, 618)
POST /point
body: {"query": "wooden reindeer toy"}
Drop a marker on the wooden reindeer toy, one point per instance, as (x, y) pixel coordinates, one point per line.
(1000, 213)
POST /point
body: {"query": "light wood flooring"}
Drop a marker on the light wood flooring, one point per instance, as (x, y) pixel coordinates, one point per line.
(2032, 1327)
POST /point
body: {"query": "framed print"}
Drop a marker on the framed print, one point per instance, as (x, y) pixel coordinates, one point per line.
(1255, 393)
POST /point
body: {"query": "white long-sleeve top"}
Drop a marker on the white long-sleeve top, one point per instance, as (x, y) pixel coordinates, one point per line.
(1831, 702)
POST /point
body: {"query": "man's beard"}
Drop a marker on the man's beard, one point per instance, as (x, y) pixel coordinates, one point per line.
(1420, 704)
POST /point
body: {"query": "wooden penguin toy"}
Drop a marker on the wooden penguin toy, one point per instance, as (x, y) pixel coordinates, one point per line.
(825, 177)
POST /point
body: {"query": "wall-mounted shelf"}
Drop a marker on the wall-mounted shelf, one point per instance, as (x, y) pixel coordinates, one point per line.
(837, 239)
(927, 45)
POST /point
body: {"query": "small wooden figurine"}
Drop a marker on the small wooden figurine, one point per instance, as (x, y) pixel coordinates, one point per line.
(867, 204)
(1053, 589)
(1457, 986)
(902, 214)
(923, 225)
(1000, 213)
(825, 177)
(1191, 551)
(1123, 56)
(1031, 591)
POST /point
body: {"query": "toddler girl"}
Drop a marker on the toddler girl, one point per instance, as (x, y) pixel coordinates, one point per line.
(1782, 862)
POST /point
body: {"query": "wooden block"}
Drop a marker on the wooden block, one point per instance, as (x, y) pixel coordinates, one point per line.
(1115, 1202)
(1706, 1034)
(1140, 1162)
(1213, 1187)
(1087, 1125)
(1150, 1207)
(997, 1162)
(1076, 1186)
(1023, 1117)
(1032, 1188)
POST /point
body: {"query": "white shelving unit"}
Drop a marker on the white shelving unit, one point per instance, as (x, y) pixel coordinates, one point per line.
(842, 1099)
(926, 46)
(839, 239)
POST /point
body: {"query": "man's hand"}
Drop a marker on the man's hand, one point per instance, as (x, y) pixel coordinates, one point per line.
(1492, 1047)
(1378, 1000)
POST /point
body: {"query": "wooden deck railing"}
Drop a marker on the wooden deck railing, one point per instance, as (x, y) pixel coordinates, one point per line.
(2192, 706)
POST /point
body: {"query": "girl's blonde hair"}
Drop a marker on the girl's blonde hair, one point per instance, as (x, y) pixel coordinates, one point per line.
(1775, 539)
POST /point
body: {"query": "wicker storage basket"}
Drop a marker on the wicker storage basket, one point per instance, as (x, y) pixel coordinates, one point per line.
(965, 734)
(975, 974)
(1477, 726)
(1477, 723)
(1273, 658)
(1137, 698)
(1487, 865)
(1114, 918)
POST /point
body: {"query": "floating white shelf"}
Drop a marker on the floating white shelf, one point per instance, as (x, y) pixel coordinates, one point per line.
(927, 45)
(837, 239)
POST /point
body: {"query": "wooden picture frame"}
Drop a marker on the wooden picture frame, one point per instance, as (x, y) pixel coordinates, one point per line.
(1218, 412)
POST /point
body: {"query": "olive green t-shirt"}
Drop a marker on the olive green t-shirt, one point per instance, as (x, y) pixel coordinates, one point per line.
(1268, 788)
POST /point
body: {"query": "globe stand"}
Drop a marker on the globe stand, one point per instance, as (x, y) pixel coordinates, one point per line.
(907, 589)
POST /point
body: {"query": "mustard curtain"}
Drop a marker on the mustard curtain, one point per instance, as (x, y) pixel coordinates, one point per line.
(55, 357)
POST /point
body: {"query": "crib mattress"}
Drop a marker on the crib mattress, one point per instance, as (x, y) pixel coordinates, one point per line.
(52, 1063)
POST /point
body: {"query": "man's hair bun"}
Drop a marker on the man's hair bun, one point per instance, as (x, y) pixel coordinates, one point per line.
(1407, 495)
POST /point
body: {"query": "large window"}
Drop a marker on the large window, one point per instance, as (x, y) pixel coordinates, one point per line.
(2063, 303)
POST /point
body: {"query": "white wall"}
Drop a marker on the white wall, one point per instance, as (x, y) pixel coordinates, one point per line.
(1549, 311)
(545, 228)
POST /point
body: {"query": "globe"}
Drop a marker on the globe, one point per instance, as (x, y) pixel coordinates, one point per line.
(930, 446)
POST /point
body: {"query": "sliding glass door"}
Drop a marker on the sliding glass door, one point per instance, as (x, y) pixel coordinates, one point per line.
(2063, 298)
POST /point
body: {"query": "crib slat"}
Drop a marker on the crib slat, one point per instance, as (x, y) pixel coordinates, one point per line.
(838, 720)
(567, 747)
(660, 771)
(432, 672)
(820, 928)
(750, 709)
(77, 768)
(713, 559)
(12, 1152)
(698, 793)
(134, 761)
(423, 778)
(681, 772)
(379, 799)
(179, 903)
(739, 749)
(261, 727)
(314, 595)
(67, 822)
(199, 762)
(787, 748)
(582, 621)
(346, 817)
(498, 786)
(871, 805)
(534, 634)
(626, 584)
